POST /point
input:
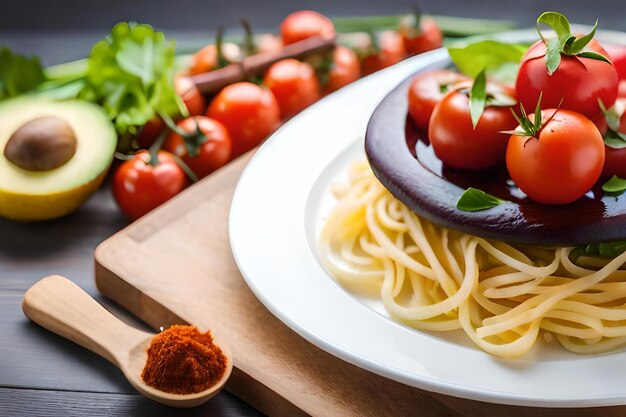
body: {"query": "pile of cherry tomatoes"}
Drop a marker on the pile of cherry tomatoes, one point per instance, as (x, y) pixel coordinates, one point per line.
(242, 114)
(558, 130)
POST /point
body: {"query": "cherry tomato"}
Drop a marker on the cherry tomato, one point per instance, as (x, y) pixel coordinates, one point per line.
(139, 187)
(305, 24)
(149, 132)
(617, 53)
(426, 38)
(193, 99)
(391, 52)
(562, 163)
(428, 89)
(268, 43)
(205, 59)
(344, 69)
(615, 159)
(210, 155)
(249, 113)
(294, 84)
(457, 143)
(578, 81)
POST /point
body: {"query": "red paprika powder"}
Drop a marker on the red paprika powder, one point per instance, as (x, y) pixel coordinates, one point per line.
(182, 360)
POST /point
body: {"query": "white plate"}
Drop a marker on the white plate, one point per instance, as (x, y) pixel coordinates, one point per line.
(276, 214)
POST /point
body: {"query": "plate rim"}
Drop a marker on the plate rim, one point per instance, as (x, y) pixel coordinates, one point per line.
(422, 381)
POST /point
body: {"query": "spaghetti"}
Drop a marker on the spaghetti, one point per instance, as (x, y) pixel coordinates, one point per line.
(502, 296)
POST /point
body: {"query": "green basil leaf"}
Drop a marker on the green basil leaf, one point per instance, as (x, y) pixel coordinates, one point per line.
(18, 74)
(607, 249)
(553, 55)
(559, 23)
(476, 200)
(594, 55)
(580, 43)
(614, 185)
(612, 249)
(615, 140)
(478, 98)
(505, 73)
(500, 60)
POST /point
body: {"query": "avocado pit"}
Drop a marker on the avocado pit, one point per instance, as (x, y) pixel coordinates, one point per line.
(41, 144)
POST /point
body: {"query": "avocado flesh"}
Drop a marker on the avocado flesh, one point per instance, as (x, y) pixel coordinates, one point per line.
(94, 132)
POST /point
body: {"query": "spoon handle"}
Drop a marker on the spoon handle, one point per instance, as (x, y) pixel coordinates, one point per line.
(62, 307)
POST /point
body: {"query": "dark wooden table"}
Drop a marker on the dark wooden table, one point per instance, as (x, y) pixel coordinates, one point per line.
(43, 374)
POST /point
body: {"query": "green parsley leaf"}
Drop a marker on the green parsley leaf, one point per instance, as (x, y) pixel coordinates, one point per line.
(499, 60)
(615, 185)
(478, 98)
(476, 200)
(18, 74)
(131, 74)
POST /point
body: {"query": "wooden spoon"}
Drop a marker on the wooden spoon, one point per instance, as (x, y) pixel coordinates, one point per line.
(62, 307)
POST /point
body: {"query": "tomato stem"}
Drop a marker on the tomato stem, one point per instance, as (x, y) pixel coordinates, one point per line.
(249, 45)
(192, 175)
(417, 15)
(194, 140)
(156, 146)
(219, 43)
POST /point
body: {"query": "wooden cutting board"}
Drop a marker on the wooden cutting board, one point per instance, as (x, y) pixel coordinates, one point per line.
(175, 266)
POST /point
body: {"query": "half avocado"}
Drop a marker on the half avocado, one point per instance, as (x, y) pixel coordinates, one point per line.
(53, 156)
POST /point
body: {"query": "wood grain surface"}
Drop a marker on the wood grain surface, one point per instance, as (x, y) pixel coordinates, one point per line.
(44, 374)
(175, 266)
(16, 402)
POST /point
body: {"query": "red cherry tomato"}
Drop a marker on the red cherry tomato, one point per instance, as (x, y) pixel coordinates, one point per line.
(391, 52)
(427, 38)
(615, 160)
(578, 81)
(210, 155)
(193, 99)
(305, 24)
(139, 187)
(149, 132)
(427, 90)
(205, 59)
(560, 165)
(457, 143)
(344, 69)
(617, 53)
(294, 84)
(249, 113)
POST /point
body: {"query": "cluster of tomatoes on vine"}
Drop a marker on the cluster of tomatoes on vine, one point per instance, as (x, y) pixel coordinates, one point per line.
(576, 135)
(242, 114)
